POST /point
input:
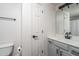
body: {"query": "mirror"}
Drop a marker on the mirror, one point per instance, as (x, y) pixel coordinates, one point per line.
(73, 11)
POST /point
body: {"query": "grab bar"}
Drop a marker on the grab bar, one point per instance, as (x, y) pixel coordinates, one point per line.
(7, 18)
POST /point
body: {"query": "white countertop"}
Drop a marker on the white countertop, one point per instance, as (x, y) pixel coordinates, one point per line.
(74, 41)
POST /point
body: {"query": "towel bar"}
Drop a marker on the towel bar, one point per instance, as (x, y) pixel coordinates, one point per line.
(7, 18)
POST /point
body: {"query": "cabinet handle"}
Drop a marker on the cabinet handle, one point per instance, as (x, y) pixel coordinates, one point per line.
(75, 53)
(57, 51)
(61, 53)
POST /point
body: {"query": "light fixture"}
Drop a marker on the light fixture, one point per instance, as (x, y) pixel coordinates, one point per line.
(77, 4)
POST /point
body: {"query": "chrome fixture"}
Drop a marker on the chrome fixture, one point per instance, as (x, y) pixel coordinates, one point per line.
(68, 35)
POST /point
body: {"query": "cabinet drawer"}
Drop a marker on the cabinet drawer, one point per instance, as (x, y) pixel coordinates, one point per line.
(74, 50)
(61, 45)
(65, 53)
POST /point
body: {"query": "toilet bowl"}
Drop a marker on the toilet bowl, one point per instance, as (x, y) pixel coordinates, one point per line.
(6, 49)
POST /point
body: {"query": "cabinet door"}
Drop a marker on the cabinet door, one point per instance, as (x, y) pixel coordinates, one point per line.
(53, 50)
(35, 30)
(38, 35)
(64, 53)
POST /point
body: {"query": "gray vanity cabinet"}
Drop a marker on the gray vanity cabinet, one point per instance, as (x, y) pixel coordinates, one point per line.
(64, 53)
(52, 49)
(56, 48)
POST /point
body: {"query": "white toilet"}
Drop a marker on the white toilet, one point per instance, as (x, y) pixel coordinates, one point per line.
(6, 49)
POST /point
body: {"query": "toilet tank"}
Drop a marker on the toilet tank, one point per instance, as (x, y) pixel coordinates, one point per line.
(6, 49)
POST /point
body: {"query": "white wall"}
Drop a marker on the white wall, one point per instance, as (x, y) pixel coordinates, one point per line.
(59, 22)
(10, 31)
(26, 29)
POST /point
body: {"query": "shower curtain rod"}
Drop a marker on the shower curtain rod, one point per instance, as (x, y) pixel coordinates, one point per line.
(8, 18)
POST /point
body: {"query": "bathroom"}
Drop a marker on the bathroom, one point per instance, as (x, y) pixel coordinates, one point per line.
(39, 29)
